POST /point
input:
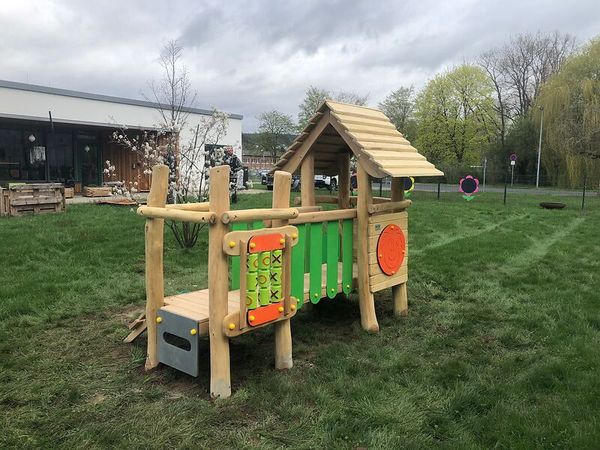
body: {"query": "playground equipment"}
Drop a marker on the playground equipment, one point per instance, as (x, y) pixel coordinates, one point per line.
(264, 264)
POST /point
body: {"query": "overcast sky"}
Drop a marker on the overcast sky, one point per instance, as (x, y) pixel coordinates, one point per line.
(248, 57)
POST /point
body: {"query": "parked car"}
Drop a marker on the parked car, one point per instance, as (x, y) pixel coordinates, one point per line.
(295, 182)
(263, 176)
(323, 181)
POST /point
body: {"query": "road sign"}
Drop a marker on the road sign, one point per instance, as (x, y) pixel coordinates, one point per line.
(513, 157)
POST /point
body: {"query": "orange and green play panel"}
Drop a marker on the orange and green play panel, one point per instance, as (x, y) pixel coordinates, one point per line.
(266, 243)
(265, 314)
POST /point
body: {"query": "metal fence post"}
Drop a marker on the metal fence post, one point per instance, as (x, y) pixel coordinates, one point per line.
(505, 184)
(583, 194)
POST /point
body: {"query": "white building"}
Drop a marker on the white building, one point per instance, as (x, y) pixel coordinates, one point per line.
(72, 148)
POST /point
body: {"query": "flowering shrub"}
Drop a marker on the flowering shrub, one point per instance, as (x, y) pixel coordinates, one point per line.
(189, 164)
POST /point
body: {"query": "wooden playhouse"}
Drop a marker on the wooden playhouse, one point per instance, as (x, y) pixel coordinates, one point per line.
(335, 134)
(264, 264)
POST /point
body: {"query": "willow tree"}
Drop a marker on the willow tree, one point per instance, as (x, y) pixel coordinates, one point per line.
(570, 102)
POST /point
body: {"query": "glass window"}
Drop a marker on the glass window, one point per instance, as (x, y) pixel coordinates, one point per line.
(34, 167)
(60, 156)
(11, 155)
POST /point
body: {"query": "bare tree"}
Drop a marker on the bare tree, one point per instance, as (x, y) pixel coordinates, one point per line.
(351, 97)
(528, 60)
(173, 94)
(491, 63)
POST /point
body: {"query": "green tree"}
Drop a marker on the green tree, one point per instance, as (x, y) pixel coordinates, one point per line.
(399, 106)
(314, 97)
(570, 101)
(455, 115)
(274, 128)
(522, 140)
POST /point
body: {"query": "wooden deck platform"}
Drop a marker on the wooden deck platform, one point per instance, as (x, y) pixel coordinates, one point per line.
(194, 305)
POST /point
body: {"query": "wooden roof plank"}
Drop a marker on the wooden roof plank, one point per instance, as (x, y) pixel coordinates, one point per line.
(354, 109)
(383, 156)
(370, 139)
(379, 131)
(388, 146)
(356, 120)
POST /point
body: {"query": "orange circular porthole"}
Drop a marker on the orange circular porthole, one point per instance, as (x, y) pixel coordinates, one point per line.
(391, 247)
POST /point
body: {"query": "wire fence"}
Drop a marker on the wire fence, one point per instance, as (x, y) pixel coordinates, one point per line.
(501, 185)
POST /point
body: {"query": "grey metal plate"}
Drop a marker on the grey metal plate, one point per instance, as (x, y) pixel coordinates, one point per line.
(179, 358)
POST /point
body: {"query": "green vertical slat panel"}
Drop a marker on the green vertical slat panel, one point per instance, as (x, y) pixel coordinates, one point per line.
(316, 258)
(307, 249)
(235, 260)
(257, 225)
(324, 231)
(347, 237)
(333, 256)
(298, 266)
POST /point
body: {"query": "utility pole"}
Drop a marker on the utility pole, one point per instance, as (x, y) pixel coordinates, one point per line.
(484, 172)
(539, 158)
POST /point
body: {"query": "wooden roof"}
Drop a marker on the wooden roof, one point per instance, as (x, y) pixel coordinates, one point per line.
(341, 128)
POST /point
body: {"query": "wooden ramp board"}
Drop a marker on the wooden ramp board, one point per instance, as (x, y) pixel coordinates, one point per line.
(194, 305)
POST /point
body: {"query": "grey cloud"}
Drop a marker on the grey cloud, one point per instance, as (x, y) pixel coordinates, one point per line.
(250, 56)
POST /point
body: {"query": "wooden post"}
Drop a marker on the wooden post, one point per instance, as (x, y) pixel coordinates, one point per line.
(399, 292)
(307, 180)
(344, 181)
(218, 285)
(366, 300)
(283, 331)
(155, 290)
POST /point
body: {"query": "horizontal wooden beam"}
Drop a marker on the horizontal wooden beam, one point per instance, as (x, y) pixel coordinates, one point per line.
(326, 199)
(246, 215)
(305, 209)
(324, 216)
(174, 214)
(353, 199)
(389, 206)
(202, 206)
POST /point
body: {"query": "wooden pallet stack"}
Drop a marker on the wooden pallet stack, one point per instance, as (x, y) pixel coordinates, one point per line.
(3, 202)
(32, 198)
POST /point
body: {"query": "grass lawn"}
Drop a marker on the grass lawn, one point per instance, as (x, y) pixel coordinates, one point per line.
(501, 348)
